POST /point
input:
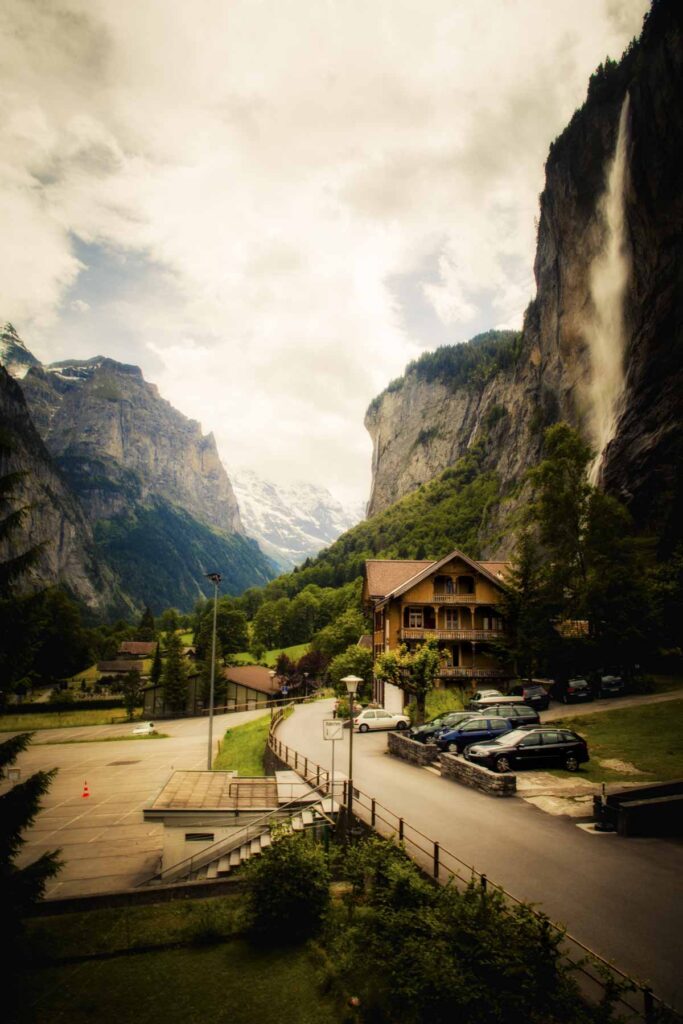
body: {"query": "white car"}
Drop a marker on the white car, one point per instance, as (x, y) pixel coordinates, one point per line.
(378, 718)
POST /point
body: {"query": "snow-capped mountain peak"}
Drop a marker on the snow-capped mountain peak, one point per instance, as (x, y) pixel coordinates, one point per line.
(290, 523)
(14, 355)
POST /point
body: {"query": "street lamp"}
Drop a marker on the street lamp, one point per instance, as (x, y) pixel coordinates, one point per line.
(351, 683)
(272, 674)
(215, 578)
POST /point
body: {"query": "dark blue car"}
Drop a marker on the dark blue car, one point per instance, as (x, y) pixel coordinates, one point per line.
(454, 741)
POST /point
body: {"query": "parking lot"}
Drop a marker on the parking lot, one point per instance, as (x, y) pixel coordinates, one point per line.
(105, 843)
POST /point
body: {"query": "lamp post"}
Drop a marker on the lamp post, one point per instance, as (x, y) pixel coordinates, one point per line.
(215, 578)
(351, 683)
(272, 683)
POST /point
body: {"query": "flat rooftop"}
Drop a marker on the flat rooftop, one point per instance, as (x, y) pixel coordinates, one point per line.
(215, 791)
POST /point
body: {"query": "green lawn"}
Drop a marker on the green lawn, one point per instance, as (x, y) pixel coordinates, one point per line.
(226, 982)
(270, 657)
(243, 747)
(647, 737)
(62, 719)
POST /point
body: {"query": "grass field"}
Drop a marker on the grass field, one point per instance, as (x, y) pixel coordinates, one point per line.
(270, 657)
(62, 719)
(243, 747)
(647, 737)
(226, 981)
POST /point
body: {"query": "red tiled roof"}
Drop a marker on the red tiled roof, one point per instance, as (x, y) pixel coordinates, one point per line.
(256, 677)
(384, 575)
(143, 648)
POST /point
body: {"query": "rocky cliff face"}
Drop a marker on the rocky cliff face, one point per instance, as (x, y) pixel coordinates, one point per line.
(422, 423)
(117, 440)
(145, 487)
(54, 518)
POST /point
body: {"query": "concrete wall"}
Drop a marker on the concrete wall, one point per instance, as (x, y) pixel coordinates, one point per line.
(459, 770)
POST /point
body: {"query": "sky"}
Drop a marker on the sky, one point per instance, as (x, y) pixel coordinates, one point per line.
(272, 206)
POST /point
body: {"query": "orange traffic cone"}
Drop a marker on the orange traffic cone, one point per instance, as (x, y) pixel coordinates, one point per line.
(86, 791)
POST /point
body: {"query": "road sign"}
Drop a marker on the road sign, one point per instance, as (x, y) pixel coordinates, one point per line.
(333, 729)
(284, 690)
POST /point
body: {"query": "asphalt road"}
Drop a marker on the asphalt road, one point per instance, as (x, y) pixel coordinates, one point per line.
(620, 897)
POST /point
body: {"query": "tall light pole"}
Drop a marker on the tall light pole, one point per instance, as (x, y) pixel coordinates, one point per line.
(351, 683)
(215, 578)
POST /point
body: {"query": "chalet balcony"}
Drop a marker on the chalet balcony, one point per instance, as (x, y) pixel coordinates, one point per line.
(452, 634)
(442, 597)
(473, 673)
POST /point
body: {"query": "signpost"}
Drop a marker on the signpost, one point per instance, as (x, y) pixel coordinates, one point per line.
(333, 730)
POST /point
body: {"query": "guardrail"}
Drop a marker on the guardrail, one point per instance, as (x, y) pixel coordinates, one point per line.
(599, 976)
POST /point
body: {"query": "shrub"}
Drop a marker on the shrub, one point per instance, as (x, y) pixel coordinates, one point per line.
(288, 890)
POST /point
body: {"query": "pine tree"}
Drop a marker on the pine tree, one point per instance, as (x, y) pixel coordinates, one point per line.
(146, 630)
(157, 666)
(21, 887)
(174, 675)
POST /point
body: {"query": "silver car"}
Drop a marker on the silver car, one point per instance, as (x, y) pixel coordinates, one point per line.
(378, 718)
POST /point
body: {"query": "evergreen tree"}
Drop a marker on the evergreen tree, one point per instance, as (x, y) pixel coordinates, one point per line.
(131, 688)
(525, 607)
(146, 630)
(20, 887)
(156, 669)
(174, 675)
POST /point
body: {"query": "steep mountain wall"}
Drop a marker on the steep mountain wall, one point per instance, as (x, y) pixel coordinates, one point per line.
(422, 423)
(116, 439)
(54, 519)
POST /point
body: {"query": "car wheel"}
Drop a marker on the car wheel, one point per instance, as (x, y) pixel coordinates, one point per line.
(453, 748)
(401, 725)
(502, 764)
(571, 763)
(363, 728)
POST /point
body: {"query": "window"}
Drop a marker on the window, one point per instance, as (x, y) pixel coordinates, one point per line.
(531, 741)
(415, 619)
(498, 726)
(199, 837)
(473, 727)
(451, 618)
(551, 737)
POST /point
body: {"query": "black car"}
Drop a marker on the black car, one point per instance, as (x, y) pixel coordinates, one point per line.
(427, 732)
(609, 686)
(532, 748)
(516, 714)
(535, 695)
(570, 691)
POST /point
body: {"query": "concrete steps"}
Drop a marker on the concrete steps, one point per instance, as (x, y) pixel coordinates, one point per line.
(252, 847)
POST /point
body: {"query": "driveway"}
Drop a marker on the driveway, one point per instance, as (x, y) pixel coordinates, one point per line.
(105, 843)
(620, 897)
(607, 704)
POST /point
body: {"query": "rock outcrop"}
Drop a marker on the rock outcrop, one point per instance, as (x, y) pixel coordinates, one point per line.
(53, 518)
(423, 422)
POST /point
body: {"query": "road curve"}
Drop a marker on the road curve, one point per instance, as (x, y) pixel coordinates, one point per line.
(620, 897)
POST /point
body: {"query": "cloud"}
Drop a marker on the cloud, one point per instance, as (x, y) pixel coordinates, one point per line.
(236, 189)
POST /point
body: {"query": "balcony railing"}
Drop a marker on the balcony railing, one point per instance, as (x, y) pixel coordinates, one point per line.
(452, 634)
(442, 597)
(473, 673)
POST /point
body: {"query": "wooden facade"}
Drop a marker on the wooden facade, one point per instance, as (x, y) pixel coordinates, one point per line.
(454, 600)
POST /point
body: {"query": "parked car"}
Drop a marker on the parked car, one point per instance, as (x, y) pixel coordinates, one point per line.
(609, 686)
(378, 718)
(516, 714)
(454, 741)
(428, 731)
(533, 694)
(532, 748)
(479, 695)
(571, 690)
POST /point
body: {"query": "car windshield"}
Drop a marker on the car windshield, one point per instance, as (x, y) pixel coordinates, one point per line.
(509, 738)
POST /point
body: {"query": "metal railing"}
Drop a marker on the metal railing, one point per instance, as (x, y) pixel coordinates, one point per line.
(598, 975)
(419, 633)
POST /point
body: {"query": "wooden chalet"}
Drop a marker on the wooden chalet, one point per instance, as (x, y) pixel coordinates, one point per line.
(454, 600)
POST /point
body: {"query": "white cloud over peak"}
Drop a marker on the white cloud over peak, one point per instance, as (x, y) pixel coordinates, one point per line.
(228, 194)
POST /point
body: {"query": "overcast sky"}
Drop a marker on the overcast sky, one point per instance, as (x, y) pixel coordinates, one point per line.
(271, 206)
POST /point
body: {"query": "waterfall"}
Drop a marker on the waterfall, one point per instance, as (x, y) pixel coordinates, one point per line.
(608, 277)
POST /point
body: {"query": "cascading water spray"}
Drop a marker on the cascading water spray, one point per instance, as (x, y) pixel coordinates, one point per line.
(605, 332)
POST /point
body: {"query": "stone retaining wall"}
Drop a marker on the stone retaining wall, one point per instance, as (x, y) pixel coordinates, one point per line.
(457, 768)
(411, 750)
